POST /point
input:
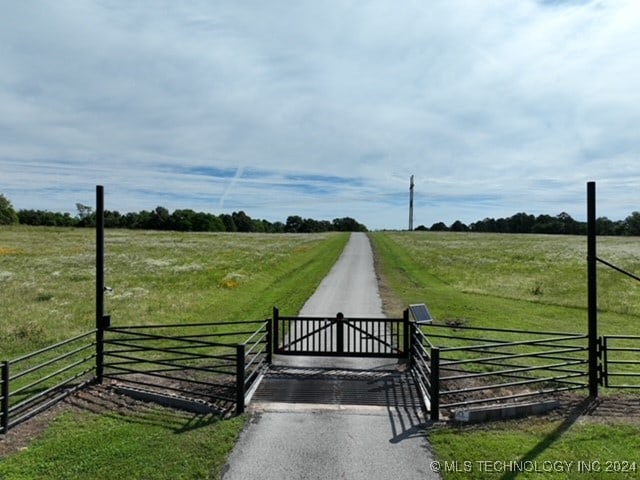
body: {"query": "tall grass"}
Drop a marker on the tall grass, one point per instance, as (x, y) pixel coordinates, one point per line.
(47, 291)
(47, 279)
(512, 281)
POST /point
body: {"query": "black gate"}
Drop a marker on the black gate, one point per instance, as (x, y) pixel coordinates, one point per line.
(621, 361)
(339, 336)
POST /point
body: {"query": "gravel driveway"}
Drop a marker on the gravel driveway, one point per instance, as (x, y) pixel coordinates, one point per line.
(313, 441)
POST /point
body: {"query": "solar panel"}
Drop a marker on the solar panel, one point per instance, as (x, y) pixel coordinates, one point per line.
(420, 313)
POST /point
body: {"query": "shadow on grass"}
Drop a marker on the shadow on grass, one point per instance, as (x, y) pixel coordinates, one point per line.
(586, 406)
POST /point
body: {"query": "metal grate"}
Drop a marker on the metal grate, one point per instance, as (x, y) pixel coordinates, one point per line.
(338, 387)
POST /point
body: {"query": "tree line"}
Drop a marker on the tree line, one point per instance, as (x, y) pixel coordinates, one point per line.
(190, 221)
(562, 224)
(184, 220)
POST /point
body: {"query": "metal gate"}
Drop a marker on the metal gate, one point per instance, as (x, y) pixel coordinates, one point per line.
(621, 361)
(339, 336)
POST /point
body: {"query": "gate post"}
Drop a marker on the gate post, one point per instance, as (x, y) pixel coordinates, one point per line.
(340, 333)
(99, 283)
(240, 378)
(592, 289)
(407, 335)
(269, 340)
(435, 384)
(4, 410)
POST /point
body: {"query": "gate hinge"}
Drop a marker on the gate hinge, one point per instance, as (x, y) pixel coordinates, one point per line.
(599, 347)
(601, 375)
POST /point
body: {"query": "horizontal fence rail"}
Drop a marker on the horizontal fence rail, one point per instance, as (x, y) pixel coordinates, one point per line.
(253, 358)
(476, 365)
(206, 362)
(621, 361)
(421, 365)
(348, 337)
(453, 365)
(34, 382)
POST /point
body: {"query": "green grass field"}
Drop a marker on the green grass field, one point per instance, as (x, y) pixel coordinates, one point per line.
(510, 281)
(531, 282)
(48, 294)
(47, 277)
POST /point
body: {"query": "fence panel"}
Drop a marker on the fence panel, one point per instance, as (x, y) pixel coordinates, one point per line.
(477, 365)
(621, 361)
(421, 365)
(211, 362)
(34, 382)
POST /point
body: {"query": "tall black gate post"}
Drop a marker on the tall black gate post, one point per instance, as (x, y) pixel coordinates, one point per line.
(100, 320)
(407, 335)
(592, 289)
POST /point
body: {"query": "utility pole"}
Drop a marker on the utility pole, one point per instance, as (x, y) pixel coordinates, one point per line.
(411, 185)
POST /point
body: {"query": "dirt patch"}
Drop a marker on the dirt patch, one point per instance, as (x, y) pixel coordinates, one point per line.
(607, 408)
(575, 405)
(96, 399)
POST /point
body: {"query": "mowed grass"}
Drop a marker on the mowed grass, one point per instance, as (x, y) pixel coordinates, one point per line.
(536, 448)
(151, 443)
(47, 285)
(530, 282)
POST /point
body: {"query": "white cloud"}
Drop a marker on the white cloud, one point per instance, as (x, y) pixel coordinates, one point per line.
(496, 107)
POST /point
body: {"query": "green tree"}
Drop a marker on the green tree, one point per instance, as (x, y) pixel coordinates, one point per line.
(439, 227)
(523, 223)
(242, 221)
(86, 215)
(632, 224)
(229, 224)
(8, 215)
(161, 219)
(294, 224)
(458, 226)
(347, 224)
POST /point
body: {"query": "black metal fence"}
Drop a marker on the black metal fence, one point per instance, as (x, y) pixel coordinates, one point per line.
(475, 365)
(212, 362)
(421, 363)
(454, 366)
(34, 382)
(621, 361)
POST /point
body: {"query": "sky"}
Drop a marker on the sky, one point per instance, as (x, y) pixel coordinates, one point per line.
(322, 109)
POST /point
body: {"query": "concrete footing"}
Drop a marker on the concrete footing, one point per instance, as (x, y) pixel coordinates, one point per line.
(171, 401)
(504, 412)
